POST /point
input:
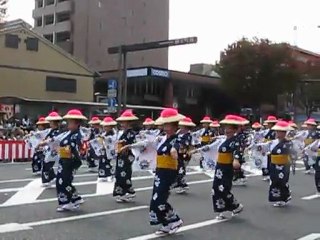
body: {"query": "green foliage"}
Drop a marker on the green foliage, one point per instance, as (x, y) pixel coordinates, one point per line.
(256, 71)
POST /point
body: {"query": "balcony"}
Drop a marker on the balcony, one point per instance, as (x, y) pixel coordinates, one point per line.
(65, 6)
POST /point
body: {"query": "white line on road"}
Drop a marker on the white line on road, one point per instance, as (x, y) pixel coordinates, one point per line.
(312, 236)
(28, 194)
(182, 229)
(14, 227)
(5, 190)
(17, 180)
(311, 197)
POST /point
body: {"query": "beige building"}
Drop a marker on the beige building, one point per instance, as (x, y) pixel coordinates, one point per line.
(87, 28)
(34, 70)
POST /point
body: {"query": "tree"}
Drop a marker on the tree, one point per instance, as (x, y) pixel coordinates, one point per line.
(3, 10)
(255, 72)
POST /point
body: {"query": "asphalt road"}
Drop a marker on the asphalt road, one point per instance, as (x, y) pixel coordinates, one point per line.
(28, 212)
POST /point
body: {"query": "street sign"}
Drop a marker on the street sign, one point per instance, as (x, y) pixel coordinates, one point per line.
(153, 45)
(160, 73)
(112, 93)
(112, 102)
(112, 84)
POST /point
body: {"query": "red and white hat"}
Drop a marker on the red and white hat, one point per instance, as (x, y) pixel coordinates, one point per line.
(311, 121)
(243, 120)
(108, 121)
(95, 121)
(127, 115)
(42, 121)
(187, 122)
(148, 122)
(74, 114)
(215, 124)
(282, 126)
(231, 120)
(256, 125)
(271, 119)
(206, 119)
(53, 116)
(292, 124)
(170, 115)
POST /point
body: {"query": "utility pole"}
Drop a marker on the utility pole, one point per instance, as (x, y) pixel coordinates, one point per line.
(120, 87)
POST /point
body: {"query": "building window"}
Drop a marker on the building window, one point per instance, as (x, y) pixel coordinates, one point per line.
(49, 37)
(39, 22)
(153, 87)
(63, 37)
(49, 2)
(12, 41)
(58, 84)
(191, 92)
(48, 20)
(32, 44)
(63, 17)
(59, 1)
(40, 3)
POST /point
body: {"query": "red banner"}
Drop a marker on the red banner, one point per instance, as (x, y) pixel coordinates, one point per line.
(14, 151)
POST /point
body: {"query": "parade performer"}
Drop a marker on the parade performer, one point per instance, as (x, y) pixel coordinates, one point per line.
(215, 126)
(105, 167)
(269, 136)
(256, 126)
(281, 150)
(312, 136)
(69, 161)
(161, 212)
(38, 155)
(92, 158)
(184, 141)
(148, 124)
(48, 175)
(206, 134)
(238, 177)
(123, 190)
(228, 160)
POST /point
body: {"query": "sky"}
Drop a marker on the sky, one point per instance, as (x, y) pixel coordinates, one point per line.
(218, 23)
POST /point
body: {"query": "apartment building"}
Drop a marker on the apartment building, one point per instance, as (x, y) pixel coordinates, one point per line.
(87, 28)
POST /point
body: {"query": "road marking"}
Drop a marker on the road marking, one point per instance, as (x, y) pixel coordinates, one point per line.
(15, 227)
(5, 190)
(182, 229)
(311, 197)
(17, 180)
(28, 194)
(312, 236)
(105, 188)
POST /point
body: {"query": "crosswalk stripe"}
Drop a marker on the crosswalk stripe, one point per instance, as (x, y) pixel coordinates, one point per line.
(28, 194)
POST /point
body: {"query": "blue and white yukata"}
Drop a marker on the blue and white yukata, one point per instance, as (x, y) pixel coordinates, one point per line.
(222, 198)
(105, 169)
(37, 160)
(48, 174)
(123, 190)
(242, 140)
(70, 161)
(271, 135)
(205, 140)
(312, 136)
(280, 171)
(184, 141)
(91, 156)
(161, 212)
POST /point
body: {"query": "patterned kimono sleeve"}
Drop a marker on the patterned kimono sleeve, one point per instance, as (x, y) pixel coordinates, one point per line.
(236, 150)
(76, 144)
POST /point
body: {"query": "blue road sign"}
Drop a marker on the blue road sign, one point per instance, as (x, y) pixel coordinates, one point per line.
(112, 84)
(112, 102)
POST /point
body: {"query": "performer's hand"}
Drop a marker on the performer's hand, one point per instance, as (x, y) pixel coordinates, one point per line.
(236, 164)
(124, 148)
